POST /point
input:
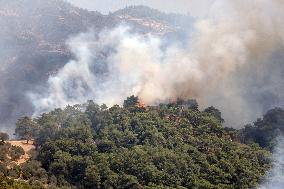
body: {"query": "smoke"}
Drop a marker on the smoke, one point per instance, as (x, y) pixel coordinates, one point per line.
(32, 38)
(275, 178)
(233, 61)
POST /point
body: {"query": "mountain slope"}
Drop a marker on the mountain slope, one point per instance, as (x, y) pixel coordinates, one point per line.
(32, 46)
(171, 25)
(33, 35)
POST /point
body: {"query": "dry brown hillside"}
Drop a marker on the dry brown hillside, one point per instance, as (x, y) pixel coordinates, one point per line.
(25, 146)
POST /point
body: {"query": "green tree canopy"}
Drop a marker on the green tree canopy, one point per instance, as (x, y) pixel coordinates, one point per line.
(167, 146)
(214, 112)
(26, 128)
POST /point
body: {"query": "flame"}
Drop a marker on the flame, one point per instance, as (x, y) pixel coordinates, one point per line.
(141, 104)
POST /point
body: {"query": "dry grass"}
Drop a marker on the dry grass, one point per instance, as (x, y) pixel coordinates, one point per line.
(25, 146)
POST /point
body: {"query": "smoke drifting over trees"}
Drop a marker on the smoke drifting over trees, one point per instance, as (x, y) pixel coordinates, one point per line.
(232, 61)
(32, 41)
(32, 46)
(275, 176)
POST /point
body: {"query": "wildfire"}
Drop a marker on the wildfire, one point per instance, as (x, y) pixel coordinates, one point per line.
(141, 104)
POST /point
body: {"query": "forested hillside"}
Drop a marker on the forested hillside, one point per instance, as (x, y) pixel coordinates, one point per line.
(265, 131)
(136, 146)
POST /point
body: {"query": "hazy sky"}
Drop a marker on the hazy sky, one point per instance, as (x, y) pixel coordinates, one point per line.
(193, 7)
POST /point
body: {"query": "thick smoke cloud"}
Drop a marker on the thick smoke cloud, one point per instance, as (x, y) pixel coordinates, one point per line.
(233, 61)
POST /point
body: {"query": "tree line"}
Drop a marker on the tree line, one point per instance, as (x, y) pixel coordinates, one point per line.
(172, 145)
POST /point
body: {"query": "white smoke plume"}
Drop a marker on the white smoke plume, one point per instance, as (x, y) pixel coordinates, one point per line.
(237, 39)
(275, 178)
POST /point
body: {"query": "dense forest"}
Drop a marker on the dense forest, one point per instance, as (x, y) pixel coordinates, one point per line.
(171, 145)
